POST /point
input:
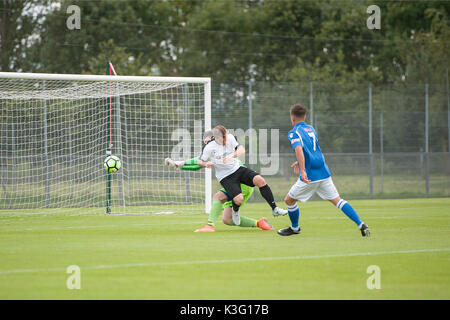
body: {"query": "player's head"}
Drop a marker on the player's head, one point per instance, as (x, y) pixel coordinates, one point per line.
(220, 135)
(208, 136)
(298, 113)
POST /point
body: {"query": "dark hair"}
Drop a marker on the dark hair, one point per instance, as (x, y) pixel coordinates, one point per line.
(298, 111)
(208, 133)
(223, 131)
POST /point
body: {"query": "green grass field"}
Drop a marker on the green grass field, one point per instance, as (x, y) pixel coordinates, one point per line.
(160, 257)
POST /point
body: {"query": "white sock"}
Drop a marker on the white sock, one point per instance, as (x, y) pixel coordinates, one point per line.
(235, 217)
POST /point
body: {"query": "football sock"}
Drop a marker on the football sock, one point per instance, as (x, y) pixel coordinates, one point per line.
(216, 210)
(349, 211)
(235, 206)
(245, 222)
(294, 214)
(267, 194)
(191, 167)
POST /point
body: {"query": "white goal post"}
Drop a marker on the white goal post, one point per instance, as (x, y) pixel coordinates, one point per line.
(56, 129)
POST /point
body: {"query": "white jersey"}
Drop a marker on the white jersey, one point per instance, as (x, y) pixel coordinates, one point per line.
(216, 152)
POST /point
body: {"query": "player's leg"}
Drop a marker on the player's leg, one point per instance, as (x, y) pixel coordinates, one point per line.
(267, 194)
(294, 214)
(328, 191)
(192, 161)
(237, 202)
(252, 178)
(190, 167)
(348, 210)
(216, 208)
(226, 214)
(245, 221)
(227, 218)
(232, 185)
(300, 191)
(190, 164)
(293, 211)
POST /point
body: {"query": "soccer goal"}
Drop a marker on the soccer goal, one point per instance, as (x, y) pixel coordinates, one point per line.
(56, 131)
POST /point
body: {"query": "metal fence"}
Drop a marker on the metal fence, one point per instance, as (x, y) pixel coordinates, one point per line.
(388, 141)
(379, 142)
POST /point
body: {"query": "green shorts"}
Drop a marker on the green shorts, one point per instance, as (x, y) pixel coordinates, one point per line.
(246, 192)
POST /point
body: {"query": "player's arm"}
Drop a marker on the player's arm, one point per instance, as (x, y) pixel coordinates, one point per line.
(297, 145)
(204, 164)
(301, 163)
(239, 149)
(203, 160)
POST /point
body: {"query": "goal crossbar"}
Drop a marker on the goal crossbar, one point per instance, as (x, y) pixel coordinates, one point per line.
(79, 77)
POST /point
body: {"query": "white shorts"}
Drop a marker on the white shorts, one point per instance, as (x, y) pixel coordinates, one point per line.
(303, 191)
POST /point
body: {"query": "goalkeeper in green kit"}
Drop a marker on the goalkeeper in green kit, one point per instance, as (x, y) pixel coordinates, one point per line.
(221, 200)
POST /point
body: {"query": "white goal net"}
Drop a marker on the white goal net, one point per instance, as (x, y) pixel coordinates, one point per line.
(56, 130)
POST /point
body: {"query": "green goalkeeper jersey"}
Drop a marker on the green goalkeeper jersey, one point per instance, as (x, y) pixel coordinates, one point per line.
(247, 192)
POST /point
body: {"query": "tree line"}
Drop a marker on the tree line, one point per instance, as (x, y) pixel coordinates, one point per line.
(324, 42)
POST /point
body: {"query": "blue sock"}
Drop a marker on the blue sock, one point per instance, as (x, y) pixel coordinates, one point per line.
(294, 214)
(349, 211)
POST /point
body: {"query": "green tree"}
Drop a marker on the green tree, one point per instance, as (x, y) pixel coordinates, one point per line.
(145, 29)
(125, 63)
(19, 23)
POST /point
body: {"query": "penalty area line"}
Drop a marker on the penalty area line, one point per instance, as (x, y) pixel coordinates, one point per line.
(193, 262)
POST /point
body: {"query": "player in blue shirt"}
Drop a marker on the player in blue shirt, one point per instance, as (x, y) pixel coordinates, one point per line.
(315, 177)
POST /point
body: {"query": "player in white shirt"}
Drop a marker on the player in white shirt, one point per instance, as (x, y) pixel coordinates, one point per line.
(222, 153)
(221, 200)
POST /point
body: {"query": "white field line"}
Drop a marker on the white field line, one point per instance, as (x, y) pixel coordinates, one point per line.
(193, 262)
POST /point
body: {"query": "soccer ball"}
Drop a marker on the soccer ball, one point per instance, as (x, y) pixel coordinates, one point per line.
(112, 164)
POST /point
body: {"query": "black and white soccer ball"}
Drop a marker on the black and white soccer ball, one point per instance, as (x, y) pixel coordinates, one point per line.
(112, 164)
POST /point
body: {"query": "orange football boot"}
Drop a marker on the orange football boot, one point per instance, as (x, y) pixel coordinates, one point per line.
(206, 228)
(264, 224)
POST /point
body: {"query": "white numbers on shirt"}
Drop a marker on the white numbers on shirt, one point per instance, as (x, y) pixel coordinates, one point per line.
(313, 136)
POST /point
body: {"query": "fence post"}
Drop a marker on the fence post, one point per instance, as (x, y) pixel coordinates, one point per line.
(316, 126)
(381, 153)
(252, 156)
(427, 162)
(448, 114)
(250, 124)
(448, 123)
(311, 104)
(370, 141)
